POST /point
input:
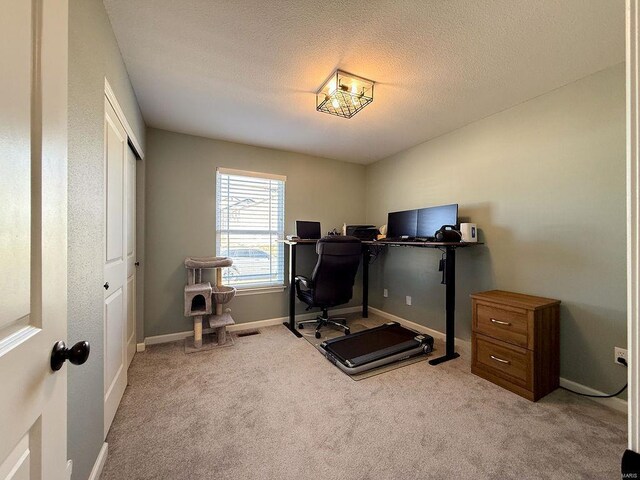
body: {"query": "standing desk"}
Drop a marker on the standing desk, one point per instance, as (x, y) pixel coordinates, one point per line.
(449, 275)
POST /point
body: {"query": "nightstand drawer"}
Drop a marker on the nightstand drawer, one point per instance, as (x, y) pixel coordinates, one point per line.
(507, 324)
(501, 359)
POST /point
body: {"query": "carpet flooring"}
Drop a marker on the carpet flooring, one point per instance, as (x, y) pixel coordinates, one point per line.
(271, 407)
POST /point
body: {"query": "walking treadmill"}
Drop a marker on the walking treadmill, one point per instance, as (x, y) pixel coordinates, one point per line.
(375, 347)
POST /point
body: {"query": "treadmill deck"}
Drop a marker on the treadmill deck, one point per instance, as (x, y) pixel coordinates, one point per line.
(375, 347)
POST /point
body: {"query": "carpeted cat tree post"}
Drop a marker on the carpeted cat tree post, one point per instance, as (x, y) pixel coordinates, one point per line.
(199, 298)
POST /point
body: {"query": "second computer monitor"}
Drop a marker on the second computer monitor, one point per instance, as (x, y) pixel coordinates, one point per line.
(431, 219)
(402, 224)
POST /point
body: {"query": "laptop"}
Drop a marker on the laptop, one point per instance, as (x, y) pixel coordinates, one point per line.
(308, 230)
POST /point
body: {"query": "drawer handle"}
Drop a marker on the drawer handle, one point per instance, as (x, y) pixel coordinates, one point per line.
(500, 322)
(501, 360)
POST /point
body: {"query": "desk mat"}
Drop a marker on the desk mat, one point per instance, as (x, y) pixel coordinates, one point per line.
(356, 324)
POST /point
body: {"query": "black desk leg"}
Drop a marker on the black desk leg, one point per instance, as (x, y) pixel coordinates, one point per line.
(366, 258)
(450, 306)
(291, 324)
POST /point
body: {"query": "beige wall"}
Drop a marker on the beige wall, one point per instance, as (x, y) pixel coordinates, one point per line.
(93, 54)
(545, 182)
(180, 218)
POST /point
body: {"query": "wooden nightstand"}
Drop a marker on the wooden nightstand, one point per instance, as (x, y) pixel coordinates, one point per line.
(516, 342)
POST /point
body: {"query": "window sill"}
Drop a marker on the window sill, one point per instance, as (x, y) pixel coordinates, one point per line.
(240, 292)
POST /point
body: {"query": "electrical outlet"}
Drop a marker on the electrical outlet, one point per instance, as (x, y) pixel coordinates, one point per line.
(385, 293)
(619, 353)
(408, 300)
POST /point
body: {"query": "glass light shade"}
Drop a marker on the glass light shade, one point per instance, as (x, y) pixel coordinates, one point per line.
(344, 94)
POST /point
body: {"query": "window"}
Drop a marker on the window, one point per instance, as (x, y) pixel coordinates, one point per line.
(249, 220)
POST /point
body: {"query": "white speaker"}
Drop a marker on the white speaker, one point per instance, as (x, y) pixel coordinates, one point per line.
(469, 232)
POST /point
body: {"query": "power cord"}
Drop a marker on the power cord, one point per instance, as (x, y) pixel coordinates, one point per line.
(374, 252)
(620, 360)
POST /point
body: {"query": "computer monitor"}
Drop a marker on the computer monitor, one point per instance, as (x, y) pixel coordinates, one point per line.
(431, 219)
(308, 230)
(401, 224)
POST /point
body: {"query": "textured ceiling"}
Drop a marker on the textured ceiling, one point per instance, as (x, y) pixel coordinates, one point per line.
(246, 70)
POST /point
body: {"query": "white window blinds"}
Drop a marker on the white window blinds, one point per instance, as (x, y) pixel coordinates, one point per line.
(249, 220)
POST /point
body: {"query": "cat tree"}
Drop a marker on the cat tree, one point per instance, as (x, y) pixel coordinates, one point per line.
(199, 299)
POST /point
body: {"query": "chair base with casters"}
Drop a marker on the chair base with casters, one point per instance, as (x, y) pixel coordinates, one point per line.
(324, 320)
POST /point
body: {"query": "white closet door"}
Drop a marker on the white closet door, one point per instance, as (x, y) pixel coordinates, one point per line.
(130, 196)
(115, 265)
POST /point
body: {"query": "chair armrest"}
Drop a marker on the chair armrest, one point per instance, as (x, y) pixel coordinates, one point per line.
(301, 279)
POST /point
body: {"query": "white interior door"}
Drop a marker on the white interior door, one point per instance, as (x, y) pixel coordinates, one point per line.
(130, 196)
(115, 265)
(33, 237)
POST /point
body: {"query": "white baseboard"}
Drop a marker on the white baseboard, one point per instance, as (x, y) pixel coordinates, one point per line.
(238, 327)
(140, 347)
(96, 471)
(416, 326)
(269, 322)
(615, 402)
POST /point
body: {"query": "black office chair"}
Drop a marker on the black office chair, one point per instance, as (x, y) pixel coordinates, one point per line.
(332, 279)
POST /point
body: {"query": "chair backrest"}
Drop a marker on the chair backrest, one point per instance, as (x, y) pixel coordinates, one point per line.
(335, 273)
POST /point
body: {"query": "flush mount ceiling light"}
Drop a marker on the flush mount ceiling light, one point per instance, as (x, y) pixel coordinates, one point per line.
(344, 94)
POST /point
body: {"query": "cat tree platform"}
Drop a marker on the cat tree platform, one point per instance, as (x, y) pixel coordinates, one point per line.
(199, 298)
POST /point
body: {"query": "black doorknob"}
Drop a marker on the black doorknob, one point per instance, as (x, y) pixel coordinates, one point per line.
(77, 354)
(106, 286)
(137, 264)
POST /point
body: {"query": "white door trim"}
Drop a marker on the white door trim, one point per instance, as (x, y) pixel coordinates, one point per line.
(108, 91)
(633, 221)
